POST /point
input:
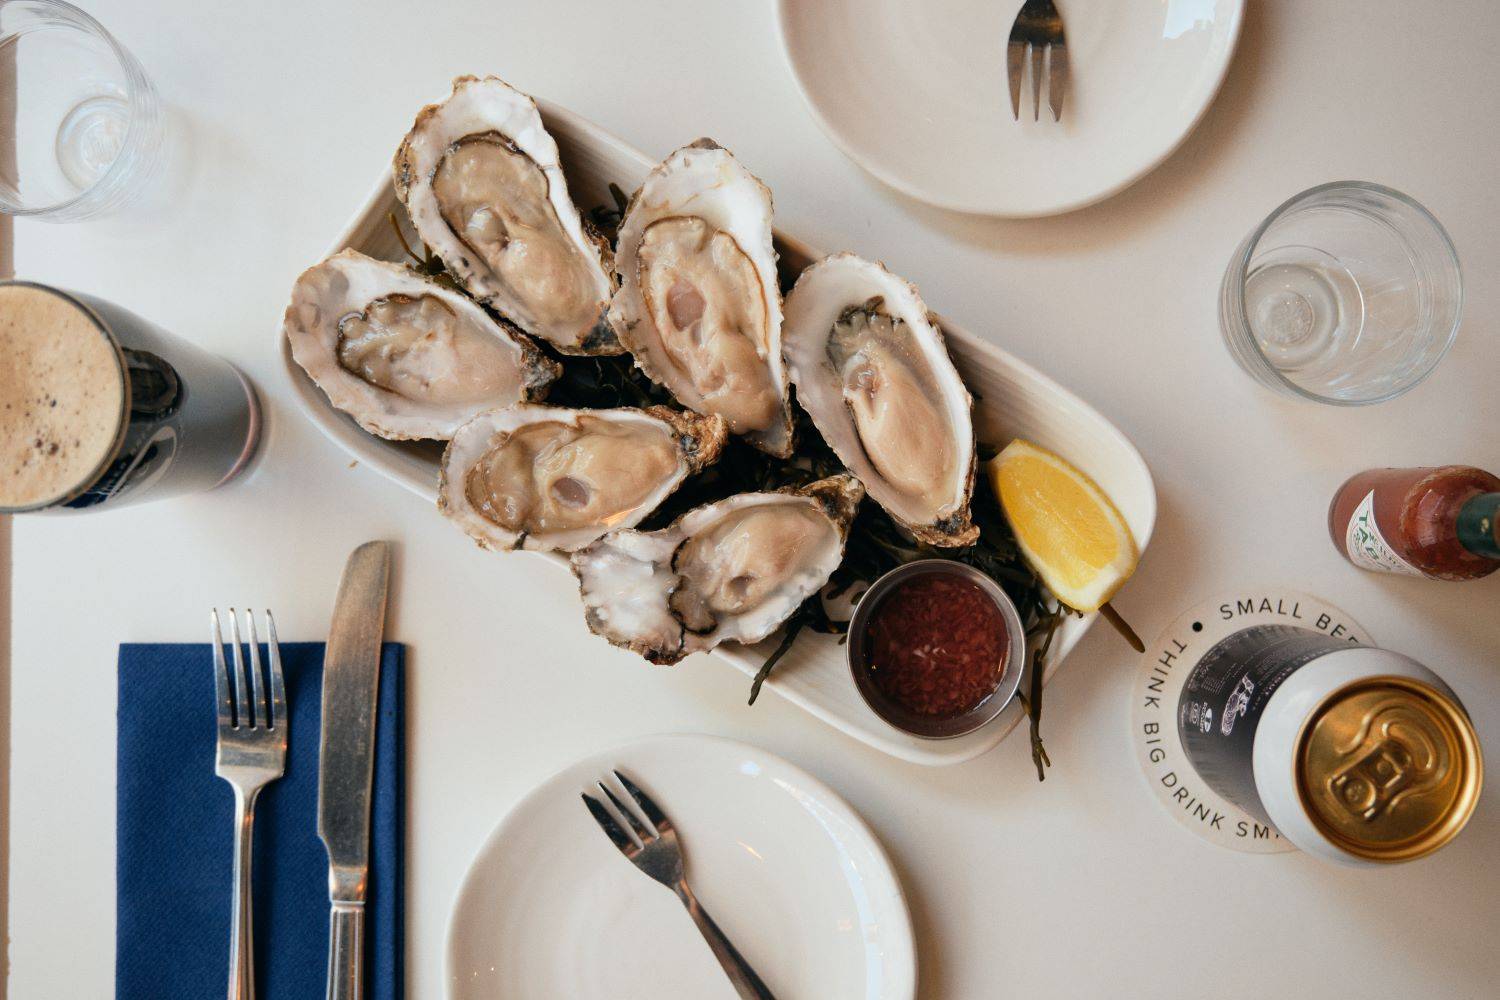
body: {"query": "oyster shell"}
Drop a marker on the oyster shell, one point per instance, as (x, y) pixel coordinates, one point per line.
(481, 180)
(551, 478)
(871, 370)
(402, 355)
(699, 306)
(731, 571)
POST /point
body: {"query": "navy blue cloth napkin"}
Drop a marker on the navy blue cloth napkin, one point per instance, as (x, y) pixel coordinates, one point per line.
(174, 841)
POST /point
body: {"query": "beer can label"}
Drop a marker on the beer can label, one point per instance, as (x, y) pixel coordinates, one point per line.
(1225, 695)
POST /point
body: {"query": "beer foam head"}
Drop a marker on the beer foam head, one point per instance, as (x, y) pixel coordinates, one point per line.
(62, 397)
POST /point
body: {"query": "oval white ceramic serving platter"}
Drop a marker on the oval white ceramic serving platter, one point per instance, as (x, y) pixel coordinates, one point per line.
(1012, 400)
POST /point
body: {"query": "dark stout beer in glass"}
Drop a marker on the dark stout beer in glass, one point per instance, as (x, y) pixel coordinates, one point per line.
(100, 408)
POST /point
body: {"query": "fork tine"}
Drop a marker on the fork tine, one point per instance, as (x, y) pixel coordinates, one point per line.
(1037, 54)
(653, 812)
(278, 688)
(1057, 77)
(241, 698)
(221, 672)
(257, 686)
(608, 825)
(642, 834)
(1015, 62)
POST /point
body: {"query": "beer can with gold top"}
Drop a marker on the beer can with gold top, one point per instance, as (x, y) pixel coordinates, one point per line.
(1355, 754)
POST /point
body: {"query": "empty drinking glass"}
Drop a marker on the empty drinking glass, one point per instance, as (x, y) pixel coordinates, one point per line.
(1349, 293)
(80, 126)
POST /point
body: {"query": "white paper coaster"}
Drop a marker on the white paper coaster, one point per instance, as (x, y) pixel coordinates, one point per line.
(1153, 713)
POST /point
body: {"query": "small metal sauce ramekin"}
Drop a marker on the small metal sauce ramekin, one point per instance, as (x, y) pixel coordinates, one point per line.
(903, 718)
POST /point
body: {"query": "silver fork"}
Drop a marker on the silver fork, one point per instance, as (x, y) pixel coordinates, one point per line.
(1038, 27)
(251, 754)
(655, 851)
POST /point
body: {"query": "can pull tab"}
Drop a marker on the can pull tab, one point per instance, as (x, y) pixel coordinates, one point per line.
(1394, 757)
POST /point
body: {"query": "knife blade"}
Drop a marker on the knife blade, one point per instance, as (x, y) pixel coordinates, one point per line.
(346, 756)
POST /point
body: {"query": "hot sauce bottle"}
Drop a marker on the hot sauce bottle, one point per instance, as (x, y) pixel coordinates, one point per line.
(1442, 523)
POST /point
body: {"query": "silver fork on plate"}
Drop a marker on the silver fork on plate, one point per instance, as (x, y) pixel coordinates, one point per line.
(1038, 27)
(655, 851)
(251, 754)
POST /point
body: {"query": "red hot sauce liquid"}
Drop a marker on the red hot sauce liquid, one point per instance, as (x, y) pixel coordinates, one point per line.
(937, 646)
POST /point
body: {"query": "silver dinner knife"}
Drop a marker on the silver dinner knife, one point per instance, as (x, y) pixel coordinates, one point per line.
(346, 756)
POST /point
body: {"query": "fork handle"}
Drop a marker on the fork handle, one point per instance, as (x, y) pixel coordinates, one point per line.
(241, 945)
(346, 952)
(746, 983)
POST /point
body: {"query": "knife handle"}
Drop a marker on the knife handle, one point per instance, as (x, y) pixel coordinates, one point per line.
(346, 952)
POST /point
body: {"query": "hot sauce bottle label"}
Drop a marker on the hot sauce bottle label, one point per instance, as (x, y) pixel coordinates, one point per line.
(1368, 548)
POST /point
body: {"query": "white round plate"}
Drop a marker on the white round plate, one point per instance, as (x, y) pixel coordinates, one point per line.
(916, 93)
(550, 908)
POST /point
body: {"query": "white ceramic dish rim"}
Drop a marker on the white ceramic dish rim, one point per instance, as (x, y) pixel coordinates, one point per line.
(409, 472)
(939, 200)
(835, 802)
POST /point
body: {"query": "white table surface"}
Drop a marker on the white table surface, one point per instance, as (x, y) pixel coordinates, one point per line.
(1081, 886)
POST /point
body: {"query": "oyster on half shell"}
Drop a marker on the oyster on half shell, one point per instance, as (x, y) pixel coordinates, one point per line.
(699, 305)
(870, 368)
(730, 571)
(481, 179)
(552, 478)
(403, 355)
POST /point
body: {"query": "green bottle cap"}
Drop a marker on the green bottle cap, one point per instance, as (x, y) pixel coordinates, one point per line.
(1479, 525)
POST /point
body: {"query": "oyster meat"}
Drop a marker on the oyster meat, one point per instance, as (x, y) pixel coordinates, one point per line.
(481, 179)
(870, 368)
(551, 478)
(731, 571)
(402, 355)
(699, 306)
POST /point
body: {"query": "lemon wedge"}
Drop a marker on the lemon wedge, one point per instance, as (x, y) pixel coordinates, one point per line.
(1067, 528)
